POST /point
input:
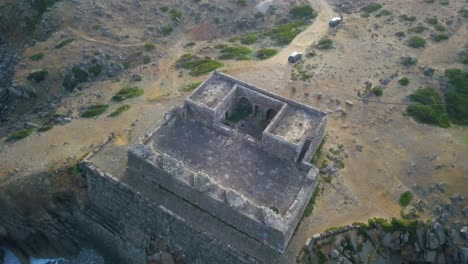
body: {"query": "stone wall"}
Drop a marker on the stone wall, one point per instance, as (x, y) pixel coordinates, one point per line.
(129, 221)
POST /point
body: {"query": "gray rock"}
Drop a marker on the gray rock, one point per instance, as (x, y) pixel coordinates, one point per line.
(464, 232)
(429, 71)
(430, 256)
(465, 212)
(136, 77)
(439, 231)
(463, 255)
(432, 242)
(334, 254)
(31, 125)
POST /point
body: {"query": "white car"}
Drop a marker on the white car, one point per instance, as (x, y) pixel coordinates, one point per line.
(335, 21)
(295, 56)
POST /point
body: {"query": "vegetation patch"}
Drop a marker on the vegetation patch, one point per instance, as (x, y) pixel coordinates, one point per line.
(150, 47)
(440, 27)
(285, 33)
(303, 12)
(416, 42)
(404, 81)
(395, 225)
(190, 86)
(45, 128)
(76, 76)
(264, 54)
(432, 20)
(94, 110)
(64, 42)
(408, 61)
(325, 44)
(427, 107)
(164, 9)
(456, 96)
(372, 7)
(418, 29)
(440, 37)
(176, 15)
(197, 66)
(407, 18)
(405, 198)
(19, 135)
(166, 30)
(38, 75)
(127, 93)
(120, 110)
(311, 204)
(235, 53)
(377, 91)
(248, 39)
(37, 56)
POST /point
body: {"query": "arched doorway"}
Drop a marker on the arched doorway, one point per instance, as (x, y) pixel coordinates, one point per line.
(245, 107)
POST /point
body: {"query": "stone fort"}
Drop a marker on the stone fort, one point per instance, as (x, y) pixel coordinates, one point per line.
(225, 178)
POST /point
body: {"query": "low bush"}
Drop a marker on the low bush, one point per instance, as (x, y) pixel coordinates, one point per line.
(377, 91)
(164, 9)
(432, 21)
(285, 33)
(404, 81)
(45, 128)
(166, 30)
(235, 53)
(303, 12)
(120, 110)
(427, 107)
(400, 34)
(408, 61)
(325, 44)
(19, 135)
(440, 27)
(416, 42)
(407, 18)
(38, 75)
(146, 59)
(418, 29)
(94, 110)
(310, 206)
(150, 47)
(176, 15)
(197, 66)
(405, 198)
(189, 86)
(64, 42)
(456, 96)
(37, 56)
(264, 54)
(127, 93)
(248, 39)
(372, 7)
(440, 37)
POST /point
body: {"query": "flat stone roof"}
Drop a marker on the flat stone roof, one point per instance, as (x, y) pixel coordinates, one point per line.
(294, 124)
(232, 162)
(212, 92)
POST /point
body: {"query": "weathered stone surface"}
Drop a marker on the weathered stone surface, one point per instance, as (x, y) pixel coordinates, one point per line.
(234, 199)
(430, 256)
(432, 242)
(465, 212)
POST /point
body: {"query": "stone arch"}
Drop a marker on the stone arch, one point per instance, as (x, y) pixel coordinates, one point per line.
(245, 106)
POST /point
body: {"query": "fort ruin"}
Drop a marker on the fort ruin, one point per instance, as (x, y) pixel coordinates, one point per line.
(232, 166)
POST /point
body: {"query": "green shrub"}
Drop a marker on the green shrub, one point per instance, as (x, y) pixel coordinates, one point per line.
(372, 7)
(418, 29)
(196, 65)
(400, 34)
(237, 53)
(166, 30)
(405, 198)
(264, 54)
(120, 110)
(456, 95)
(432, 20)
(464, 13)
(384, 12)
(95, 70)
(440, 27)
(440, 37)
(285, 33)
(164, 9)
(416, 42)
(176, 15)
(407, 18)
(408, 61)
(427, 107)
(38, 75)
(126, 64)
(377, 91)
(64, 42)
(94, 110)
(19, 135)
(241, 2)
(404, 81)
(189, 86)
(45, 128)
(127, 93)
(248, 39)
(325, 44)
(146, 59)
(149, 46)
(310, 206)
(37, 56)
(303, 12)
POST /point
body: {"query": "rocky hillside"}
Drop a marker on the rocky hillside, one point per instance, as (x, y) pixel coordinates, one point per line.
(395, 241)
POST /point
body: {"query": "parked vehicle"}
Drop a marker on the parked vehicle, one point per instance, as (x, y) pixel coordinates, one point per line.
(334, 22)
(295, 56)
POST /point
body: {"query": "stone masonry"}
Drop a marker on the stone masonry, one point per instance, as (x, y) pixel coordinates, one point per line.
(232, 164)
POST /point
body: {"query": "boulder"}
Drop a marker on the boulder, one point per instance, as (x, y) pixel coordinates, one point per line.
(31, 125)
(440, 233)
(465, 212)
(334, 254)
(464, 232)
(432, 242)
(430, 256)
